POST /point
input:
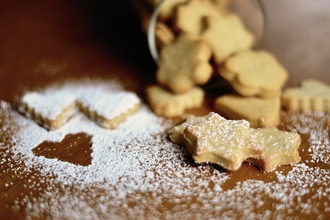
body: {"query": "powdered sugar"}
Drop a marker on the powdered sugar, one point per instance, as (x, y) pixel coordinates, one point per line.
(137, 173)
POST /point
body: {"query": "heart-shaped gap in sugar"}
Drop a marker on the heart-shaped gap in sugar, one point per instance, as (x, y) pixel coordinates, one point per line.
(74, 148)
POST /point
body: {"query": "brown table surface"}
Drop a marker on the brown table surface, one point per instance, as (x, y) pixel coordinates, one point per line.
(42, 42)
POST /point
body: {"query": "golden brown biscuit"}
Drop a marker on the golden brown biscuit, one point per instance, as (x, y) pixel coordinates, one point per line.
(167, 9)
(164, 35)
(312, 95)
(226, 35)
(259, 112)
(189, 16)
(184, 64)
(255, 73)
(164, 103)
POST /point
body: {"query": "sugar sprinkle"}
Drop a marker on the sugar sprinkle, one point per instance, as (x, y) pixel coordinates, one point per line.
(137, 173)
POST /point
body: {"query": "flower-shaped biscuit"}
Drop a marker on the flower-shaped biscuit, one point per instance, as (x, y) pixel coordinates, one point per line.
(184, 64)
(254, 73)
(226, 35)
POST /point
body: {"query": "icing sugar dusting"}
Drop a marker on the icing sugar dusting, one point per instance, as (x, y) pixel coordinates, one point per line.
(137, 173)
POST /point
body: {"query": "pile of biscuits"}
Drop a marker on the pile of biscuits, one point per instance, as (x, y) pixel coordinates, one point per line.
(200, 39)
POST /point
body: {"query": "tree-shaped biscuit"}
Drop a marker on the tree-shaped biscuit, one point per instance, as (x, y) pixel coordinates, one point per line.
(164, 103)
(311, 95)
(254, 73)
(226, 35)
(184, 64)
(259, 112)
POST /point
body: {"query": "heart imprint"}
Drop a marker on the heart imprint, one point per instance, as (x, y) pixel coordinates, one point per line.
(74, 148)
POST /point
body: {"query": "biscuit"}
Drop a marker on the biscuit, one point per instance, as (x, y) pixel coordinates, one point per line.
(164, 103)
(254, 73)
(278, 148)
(164, 35)
(189, 16)
(220, 141)
(168, 8)
(177, 132)
(184, 64)
(50, 110)
(108, 109)
(226, 35)
(229, 143)
(259, 112)
(312, 95)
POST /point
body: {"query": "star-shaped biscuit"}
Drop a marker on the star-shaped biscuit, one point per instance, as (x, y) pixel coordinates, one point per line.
(226, 35)
(254, 73)
(220, 141)
(312, 95)
(184, 64)
(278, 148)
(228, 143)
(164, 103)
(189, 16)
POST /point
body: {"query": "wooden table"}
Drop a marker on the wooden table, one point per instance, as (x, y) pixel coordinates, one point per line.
(42, 42)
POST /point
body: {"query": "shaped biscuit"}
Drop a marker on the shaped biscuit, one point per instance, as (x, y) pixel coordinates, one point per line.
(228, 143)
(164, 35)
(190, 16)
(220, 141)
(108, 109)
(168, 8)
(255, 73)
(226, 35)
(177, 132)
(164, 103)
(278, 148)
(184, 64)
(259, 112)
(50, 110)
(312, 95)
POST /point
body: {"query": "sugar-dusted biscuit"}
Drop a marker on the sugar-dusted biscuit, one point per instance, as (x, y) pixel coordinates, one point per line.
(228, 143)
(108, 108)
(177, 132)
(50, 110)
(312, 95)
(220, 141)
(190, 16)
(184, 64)
(278, 148)
(259, 112)
(164, 103)
(226, 35)
(254, 73)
